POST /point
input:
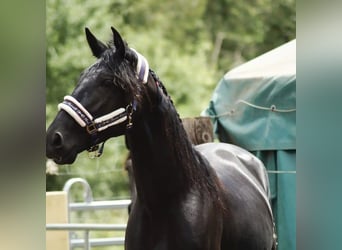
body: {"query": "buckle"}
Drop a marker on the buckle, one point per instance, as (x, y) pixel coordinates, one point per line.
(95, 151)
(91, 128)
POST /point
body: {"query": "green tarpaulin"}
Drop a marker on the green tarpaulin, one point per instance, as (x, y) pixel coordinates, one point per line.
(254, 107)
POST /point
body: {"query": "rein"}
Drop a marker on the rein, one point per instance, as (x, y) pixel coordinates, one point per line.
(81, 115)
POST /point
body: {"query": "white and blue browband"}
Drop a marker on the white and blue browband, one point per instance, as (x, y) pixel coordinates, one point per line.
(142, 67)
(80, 114)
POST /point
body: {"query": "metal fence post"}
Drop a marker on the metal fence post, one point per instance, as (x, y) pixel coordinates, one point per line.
(87, 196)
(86, 240)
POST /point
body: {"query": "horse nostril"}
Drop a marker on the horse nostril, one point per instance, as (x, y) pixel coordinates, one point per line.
(57, 140)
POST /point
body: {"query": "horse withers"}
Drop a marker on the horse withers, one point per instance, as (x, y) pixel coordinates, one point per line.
(213, 196)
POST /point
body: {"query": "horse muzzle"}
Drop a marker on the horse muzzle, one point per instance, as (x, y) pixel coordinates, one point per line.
(57, 150)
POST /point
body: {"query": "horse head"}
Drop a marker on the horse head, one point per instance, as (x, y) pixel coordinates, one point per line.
(109, 95)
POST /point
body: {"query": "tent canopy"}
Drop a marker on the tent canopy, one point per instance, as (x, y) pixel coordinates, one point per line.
(254, 104)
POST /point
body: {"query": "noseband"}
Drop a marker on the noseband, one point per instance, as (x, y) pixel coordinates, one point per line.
(76, 110)
(81, 115)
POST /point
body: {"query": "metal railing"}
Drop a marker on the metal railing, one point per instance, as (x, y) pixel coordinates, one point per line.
(87, 243)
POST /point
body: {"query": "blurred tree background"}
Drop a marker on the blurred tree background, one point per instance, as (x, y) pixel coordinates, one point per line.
(189, 44)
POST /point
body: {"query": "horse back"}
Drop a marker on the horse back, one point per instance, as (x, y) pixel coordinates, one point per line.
(248, 219)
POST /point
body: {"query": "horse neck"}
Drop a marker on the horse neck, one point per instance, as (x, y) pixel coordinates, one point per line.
(164, 160)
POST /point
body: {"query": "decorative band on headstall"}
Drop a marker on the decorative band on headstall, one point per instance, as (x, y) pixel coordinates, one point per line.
(76, 110)
(117, 116)
(142, 67)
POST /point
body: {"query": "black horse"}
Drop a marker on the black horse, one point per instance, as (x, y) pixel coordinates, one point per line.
(208, 197)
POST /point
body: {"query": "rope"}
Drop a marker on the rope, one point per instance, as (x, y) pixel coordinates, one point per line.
(121, 169)
(282, 171)
(273, 108)
(219, 115)
(91, 173)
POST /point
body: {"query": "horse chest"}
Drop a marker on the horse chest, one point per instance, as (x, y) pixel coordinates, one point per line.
(164, 237)
(183, 227)
(158, 235)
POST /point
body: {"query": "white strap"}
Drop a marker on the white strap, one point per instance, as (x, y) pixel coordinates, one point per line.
(72, 113)
(97, 121)
(79, 105)
(110, 116)
(141, 65)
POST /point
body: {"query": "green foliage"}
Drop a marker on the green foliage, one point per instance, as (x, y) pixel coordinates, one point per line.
(189, 44)
(248, 28)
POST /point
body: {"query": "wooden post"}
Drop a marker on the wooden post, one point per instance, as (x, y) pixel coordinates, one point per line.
(57, 212)
(199, 129)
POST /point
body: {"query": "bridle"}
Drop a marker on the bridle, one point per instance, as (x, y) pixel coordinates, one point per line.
(76, 110)
(94, 125)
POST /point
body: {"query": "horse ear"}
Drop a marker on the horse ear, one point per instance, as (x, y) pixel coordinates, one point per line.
(96, 46)
(119, 44)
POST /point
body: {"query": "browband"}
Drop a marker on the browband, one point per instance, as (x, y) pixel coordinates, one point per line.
(142, 67)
